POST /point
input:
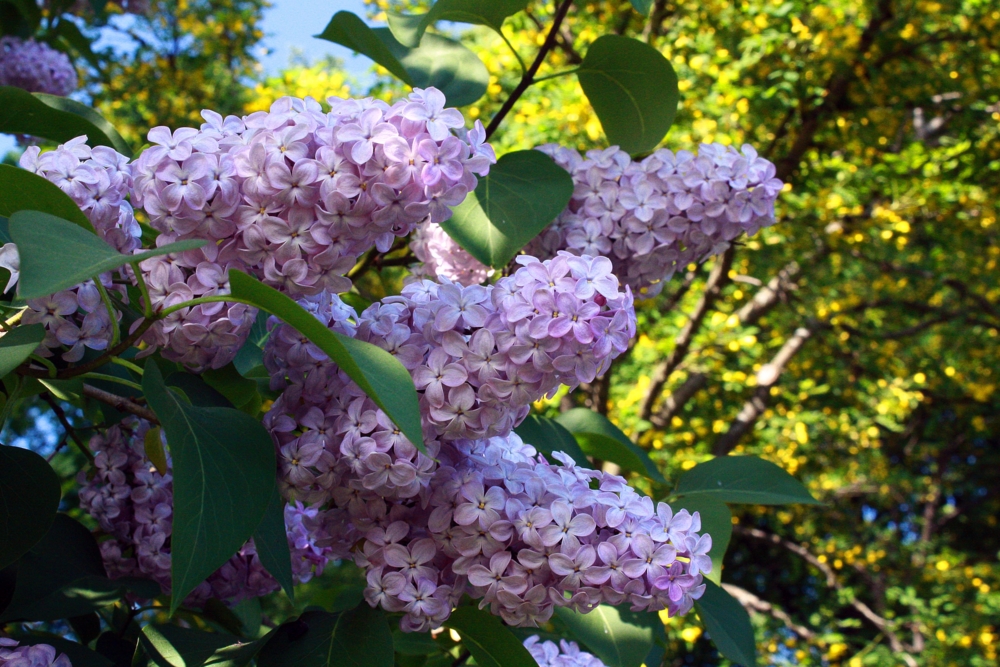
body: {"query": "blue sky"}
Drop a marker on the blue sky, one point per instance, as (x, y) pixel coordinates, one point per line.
(289, 25)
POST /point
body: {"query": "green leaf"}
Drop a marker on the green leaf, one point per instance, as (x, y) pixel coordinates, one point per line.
(521, 196)
(15, 346)
(29, 498)
(359, 637)
(547, 436)
(633, 90)
(414, 643)
(642, 6)
(717, 521)
(744, 479)
(43, 116)
(21, 190)
(228, 382)
(68, 105)
(224, 474)
(347, 29)
(441, 63)
(728, 625)
(438, 61)
(173, 646)
(488, 640)
(271, 541)
(48, 267)
(378, 373)
(251, 355)
(619, 637)
(409, 29)
(599, 438)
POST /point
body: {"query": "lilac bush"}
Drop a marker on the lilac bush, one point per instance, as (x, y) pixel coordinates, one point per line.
(35, 67)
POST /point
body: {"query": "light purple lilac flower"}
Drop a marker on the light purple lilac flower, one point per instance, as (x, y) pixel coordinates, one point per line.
(38, 655)
(563, 654)
(654, 217)
(35, 67)
(440, 255)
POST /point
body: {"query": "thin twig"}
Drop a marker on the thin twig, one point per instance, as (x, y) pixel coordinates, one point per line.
(70, 431)
(529, 76)
(119, 403)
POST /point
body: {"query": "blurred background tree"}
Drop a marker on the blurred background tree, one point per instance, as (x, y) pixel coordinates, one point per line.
(855, 343)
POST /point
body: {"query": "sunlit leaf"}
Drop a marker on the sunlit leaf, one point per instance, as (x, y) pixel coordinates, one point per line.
(728, 625)
(488, 640)
(619, 637)
(409, 29)
(744, 479)
(599, 438)
(55, 118)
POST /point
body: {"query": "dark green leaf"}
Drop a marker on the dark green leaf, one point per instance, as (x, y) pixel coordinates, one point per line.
(29, 11)
(78, 654)
(48, 267)
(547, 436)
(409, 29)
(619, 637)
(441, 63)
(414, 643)
(224, 474)
(173, 646)
(728, 625)
(378, 373)
(521, 196)
(29, 499)
(744, 479)
(24, 113)
(599, 438)
(228, 382)
(359, 637)
(68, 105)
(271, 541)
(21, 190)
(488, 640)
(633, 90)
(716, 520)
(642, 6)
(250, 615)
(251, 355)
(349, 30)
(15, 346)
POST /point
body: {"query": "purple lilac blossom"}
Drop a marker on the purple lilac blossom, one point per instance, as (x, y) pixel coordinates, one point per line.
(39, 655)
(97, 180)
(35, 67)
(441, 256)
(133, 503)
(563, 654)
(654, 217)
(479, 357)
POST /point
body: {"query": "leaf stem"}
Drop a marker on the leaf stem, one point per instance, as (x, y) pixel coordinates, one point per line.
(147, 304)
(127, 364)
(529, 75)
(112, 378)
(45, 362)
(224, 298)
(116, 333)
(557, 75)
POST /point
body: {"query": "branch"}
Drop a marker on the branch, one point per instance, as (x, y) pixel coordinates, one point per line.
(70, 431)
(832, 582)
(678, 398)
(529, 76)
(767, 377)
(713, 288)
(768, 296)
(753, 603)
(120, 403)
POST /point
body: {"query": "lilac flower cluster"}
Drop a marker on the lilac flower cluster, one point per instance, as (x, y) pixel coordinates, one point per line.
(35, 67)
(656, 216)
(563, 654)
(97, 180)
(294, 196)
(479, 356)
(441, 256)
(523, 536)
(133, 502)
(39, 655)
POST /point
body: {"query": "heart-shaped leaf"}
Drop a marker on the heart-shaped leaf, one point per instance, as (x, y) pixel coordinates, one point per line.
(521, 196)
(29, 498)
(55, 118)
(15, 346)
(728, 625)
(356, 637)
(717, 521)
(619, 637)
(378, 373)
(488, 640)
(21, 190)
(599, 438)
(48, 267)
(633, 90)
(224, 475)
(409, 28)
(744, 479)
(347, 29)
